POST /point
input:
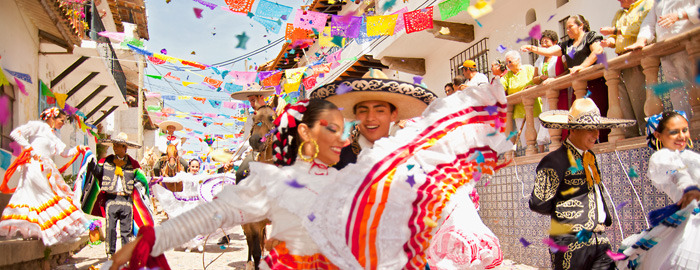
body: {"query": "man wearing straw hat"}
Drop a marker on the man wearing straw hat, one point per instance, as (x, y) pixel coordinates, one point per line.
(568, 188)
(117, 174)
(169, 127)
(377, 103)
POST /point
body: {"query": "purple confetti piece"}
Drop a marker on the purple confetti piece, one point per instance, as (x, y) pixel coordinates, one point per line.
(501, 48)
(417, 79)
(524, 242)
(410, 180)
(293, 183)
(551, 17)
(602, 59)
(311, 217)
(491, 109)
(536, 32)
(571, 53)
(164, 51)
(198, 12)
(476, 176)
(621, 205)
(342, 89)
(283, 17)
(553, 245)
(523, 39)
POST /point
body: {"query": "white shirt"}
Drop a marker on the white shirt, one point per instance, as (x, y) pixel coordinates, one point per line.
(478, 79)
(651, 29)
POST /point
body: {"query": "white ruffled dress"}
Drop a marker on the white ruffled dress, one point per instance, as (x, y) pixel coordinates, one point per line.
(379, 213)
(42, 204)
(677, 247)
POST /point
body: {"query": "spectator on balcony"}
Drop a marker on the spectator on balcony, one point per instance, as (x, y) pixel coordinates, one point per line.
(498, 69)
(449, 89)
(515, 80)
(579, 52)
(568, 188)
(547, 68)
(473, 77)
(669, 18)
(622, 33)
(459, 82)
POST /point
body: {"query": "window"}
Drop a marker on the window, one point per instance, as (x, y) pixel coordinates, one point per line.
(530, 16)
(533, 56)
(5, 129)
(561, 2)
(563, 36)
(478, 53)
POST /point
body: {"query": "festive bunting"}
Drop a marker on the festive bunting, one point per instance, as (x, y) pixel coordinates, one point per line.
(215, 103)
(211, 6)
(229, 105)
(193, 64)
(310, 20)
(326, 40)
(168, 76)
(450, 8)
(381, 25)
(155, 76)
(272, 10)
(309, 82)
(3, 79)
(272, 80)
(156, 61)
(400, 25)
(292, 33)
(243, 77)
(294, 75)
(153, 108)
(213, 82)
(323, 68)
(200, 99)
(168, 97)
(291, 89)
(345, 26)
(70, 110)
(60, 99)
(418, 20)
(152, 95)
(45, 91)
(240, 6)
(21, 87)
(265, 74)
(232, 88)
(113, 35)
(22, 76)
(138, 50)
(273, 26)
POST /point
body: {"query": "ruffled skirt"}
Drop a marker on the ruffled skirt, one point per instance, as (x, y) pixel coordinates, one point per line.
(42, 206)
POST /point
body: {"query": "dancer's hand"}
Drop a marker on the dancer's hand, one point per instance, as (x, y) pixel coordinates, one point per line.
(124, 254)
(689, 197)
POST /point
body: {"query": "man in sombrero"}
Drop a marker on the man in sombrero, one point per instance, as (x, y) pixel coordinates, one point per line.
(378, 103)
(169, 127)
(117, 176)
(568, 188)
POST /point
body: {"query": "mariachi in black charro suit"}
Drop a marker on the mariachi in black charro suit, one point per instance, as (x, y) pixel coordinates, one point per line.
(568, 196)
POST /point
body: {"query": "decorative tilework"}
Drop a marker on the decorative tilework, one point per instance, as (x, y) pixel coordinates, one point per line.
(506, 212)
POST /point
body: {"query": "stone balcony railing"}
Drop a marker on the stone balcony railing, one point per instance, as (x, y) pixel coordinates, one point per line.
(648, 58)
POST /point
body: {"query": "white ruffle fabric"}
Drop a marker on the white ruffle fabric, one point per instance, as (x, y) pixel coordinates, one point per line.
(401, 186)
(42, 204)
(678, 247)
(463, 241)
(392, 198)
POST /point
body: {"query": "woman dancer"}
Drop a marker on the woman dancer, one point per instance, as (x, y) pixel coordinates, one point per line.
(41, 205)
(675, 170)
(312, 206)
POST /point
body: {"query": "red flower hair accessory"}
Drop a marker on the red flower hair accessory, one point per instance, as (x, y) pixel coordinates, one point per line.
(52, 112)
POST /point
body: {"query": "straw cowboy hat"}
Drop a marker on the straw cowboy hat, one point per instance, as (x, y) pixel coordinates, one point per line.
(584, 114)
(121, 138)
(253, 90)
(409, 99)
(164, 125)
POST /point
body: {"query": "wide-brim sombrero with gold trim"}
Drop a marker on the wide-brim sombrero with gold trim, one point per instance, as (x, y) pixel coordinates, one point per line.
(121, 138)
(584, 114)
(164, 125)
(409, 99)
(253, 90)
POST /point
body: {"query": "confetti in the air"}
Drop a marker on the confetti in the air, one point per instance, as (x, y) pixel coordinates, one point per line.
(501, 49)
(342, 89)
(198, 12)
(632, 173)
(293, 183)
(524, 242)
(621, 205)
(569, 191)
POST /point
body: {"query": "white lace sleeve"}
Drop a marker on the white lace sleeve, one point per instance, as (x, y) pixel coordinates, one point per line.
(668, 172)
(21, 134)
(234, 205)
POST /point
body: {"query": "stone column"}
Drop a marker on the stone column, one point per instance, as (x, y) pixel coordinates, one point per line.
(580, 88)
(509, 122)
(653, 104)
(612, 79)
(554, 134)
(693, 48)
(530, 133)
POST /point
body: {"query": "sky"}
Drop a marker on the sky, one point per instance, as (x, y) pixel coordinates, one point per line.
(174, 27)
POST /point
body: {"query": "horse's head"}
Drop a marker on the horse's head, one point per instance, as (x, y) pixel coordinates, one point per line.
(263, 122)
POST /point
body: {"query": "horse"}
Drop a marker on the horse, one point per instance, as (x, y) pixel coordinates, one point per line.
(150, 156)
(261, 142)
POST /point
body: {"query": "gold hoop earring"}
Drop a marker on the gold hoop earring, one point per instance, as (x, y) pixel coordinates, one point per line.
(657, 145)
(690, 143)
(301, 155)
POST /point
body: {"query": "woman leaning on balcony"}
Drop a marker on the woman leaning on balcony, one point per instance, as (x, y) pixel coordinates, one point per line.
(579, 52)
